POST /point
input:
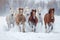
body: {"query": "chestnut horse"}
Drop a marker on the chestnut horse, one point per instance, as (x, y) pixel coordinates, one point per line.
(49, 20)
(20, 19)
(33, 20)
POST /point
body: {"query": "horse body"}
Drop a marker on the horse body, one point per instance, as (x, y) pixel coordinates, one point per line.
(49, 20)
(46, 19)
(33, 23)
(10, 21)
(20, 19)
(33, 20)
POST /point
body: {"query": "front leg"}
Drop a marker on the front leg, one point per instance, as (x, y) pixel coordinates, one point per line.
(20, 28)
(23, 27)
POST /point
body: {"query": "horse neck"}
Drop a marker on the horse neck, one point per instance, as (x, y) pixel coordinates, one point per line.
(33, 17)
(51, 17)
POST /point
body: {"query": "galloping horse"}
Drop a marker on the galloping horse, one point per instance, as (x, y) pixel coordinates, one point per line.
(40, 18)
(33, 20)
(20, 19)
(10, 20)
(49, 20)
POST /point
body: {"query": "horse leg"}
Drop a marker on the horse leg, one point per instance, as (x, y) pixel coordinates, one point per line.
(19, 28)
(51, 26)
(9, 26)
(41, 23)
(45, 27)
(13, 24)
(34, 28)
(23, 28)
(31, 25)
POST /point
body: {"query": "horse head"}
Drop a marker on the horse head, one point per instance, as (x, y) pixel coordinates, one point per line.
(20, 10)
(33, 17)
(51, 12)
(33, 13)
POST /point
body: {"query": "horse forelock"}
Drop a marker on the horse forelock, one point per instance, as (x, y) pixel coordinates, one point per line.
(50, 10)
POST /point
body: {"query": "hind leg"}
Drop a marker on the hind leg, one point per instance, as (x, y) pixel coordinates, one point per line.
(50, 27)
(19, 28)
(23, 27)
(34, 28)
(9, 26)
(45, 28)
(13, 24)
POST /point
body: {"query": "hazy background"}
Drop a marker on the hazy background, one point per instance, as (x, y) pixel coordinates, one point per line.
(6, 4)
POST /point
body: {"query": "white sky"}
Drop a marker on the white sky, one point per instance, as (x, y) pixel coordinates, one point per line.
(46, 1)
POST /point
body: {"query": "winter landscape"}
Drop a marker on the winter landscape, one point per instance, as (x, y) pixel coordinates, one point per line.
(40, 34)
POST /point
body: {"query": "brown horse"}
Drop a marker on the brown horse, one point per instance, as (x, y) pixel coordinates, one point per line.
(33, 20)
(20, 19)
(49, 19)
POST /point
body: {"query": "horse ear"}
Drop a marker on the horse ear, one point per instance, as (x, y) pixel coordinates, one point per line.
(31, 13)
(33, 10)
(51, 9)
(20, 8)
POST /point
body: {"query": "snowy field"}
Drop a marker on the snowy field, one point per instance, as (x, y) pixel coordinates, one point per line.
(40, 34)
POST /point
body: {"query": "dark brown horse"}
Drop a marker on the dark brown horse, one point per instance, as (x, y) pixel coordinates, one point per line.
(33, 20)
(49, 19)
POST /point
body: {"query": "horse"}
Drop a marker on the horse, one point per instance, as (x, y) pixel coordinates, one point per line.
(40, 18)
(20, 19)
(27, 14)
(10, 20)
(49, 20)
(33, 20)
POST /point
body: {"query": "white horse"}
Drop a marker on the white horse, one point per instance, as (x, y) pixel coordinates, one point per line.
(40, 18)
(10, 21)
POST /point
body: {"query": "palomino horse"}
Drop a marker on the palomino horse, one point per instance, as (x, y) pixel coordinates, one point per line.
(33, 20)
(10, 20)
(49, 20)
(20, 19)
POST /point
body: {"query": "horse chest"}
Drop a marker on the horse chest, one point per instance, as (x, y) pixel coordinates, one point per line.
(20, 18)
(33, 20)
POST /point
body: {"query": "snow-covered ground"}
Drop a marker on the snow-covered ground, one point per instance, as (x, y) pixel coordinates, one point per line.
(29, 36)
(14, 34)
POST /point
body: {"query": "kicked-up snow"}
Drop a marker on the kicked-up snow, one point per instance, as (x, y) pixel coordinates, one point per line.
(14, 34)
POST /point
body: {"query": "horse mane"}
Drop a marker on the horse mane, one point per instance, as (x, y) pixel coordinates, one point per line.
(51, 9)
(20, 8)
(32, 12)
